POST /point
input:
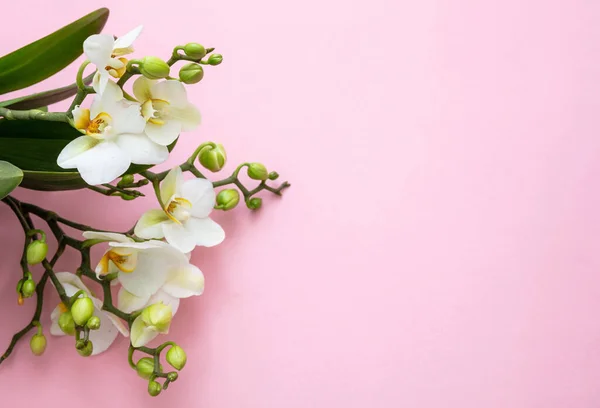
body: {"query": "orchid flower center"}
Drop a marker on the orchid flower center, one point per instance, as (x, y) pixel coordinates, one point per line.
(123, 259)
(155, 111)
(99, 125)
(178, 209)
(116, 67)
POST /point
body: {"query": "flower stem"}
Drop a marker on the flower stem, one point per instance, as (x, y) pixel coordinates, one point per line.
(33, 114)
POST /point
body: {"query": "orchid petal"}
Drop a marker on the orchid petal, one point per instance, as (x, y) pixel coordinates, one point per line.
(149, 225)
(205, 231)
(140, 333)
(184, 282)
(164, 134)
(201, 193)
(171, 185)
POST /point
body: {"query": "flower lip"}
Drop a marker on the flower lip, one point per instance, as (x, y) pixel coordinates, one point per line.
(154, 111)
(100, 125)
(178, 209)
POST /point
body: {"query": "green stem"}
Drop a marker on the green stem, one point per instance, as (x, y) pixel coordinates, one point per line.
(33, 114)
(79, 78)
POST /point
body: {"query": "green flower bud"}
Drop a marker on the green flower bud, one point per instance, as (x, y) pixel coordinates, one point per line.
(125, 180)
(273, 175)
(254, 203)
(176, 357)
(172, 376)
(213, 158)
(257, 171)
(66, 323)
(38, 344)
(154, 388)
(194, 50)
(82, 310)
(36, 252)
(145, 367)
(154, 68)
(28, 288)
(80, 344)
(191, 73)
(87, 349)
(228, 199)
(127, 197)
(158, 316)
(93, 323)
(215, 59)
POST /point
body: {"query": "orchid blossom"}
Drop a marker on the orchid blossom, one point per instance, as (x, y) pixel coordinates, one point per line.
(107, 54)
(166, 109)
(113, 139)
(184, 221)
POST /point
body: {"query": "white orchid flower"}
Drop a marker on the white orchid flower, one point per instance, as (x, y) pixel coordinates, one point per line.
(110, 325)
(107, 54)
(166, 109)
(183, 281)
(113, 139)
(184, 221)
(142, 267)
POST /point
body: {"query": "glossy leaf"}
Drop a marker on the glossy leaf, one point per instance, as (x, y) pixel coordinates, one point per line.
(45, 57)
(46, 98)
(10, 178)
(34, 147)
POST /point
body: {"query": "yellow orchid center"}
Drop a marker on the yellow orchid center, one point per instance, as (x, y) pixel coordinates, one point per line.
(62, 307)
(178, 209)
(154, 111)
(94, 127)
(117, 67)
(123, 259)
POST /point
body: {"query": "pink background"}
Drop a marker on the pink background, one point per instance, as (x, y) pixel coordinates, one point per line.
(439, 246)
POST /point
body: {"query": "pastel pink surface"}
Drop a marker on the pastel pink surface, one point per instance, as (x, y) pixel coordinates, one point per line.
(438, 247)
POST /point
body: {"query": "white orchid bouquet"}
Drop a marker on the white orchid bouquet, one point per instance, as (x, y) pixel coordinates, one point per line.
(109, 144)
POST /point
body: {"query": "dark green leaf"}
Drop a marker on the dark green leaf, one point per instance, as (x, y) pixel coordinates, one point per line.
(46, 98)
(45, 57)
(34, 146)
(10, 178)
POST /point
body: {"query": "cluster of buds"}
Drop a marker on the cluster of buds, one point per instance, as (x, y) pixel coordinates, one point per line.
(149, 368)
(79, 319)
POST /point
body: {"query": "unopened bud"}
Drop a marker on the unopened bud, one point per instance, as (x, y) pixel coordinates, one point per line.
(228, 199)
(82, 310)
(93, 323)
(273, 175)
(145, 367)
(254, 203)
(158, 316)
(38, 344)
(257, 171)
(125, 180)
(191, 73)
(176, 357)
(172, 376)
(154, 388)
(36, 252)
(154, 68)
(87, 349)
(213, 158)
(28, 288)
(215, 59)
(66, 323)
(194, 50)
